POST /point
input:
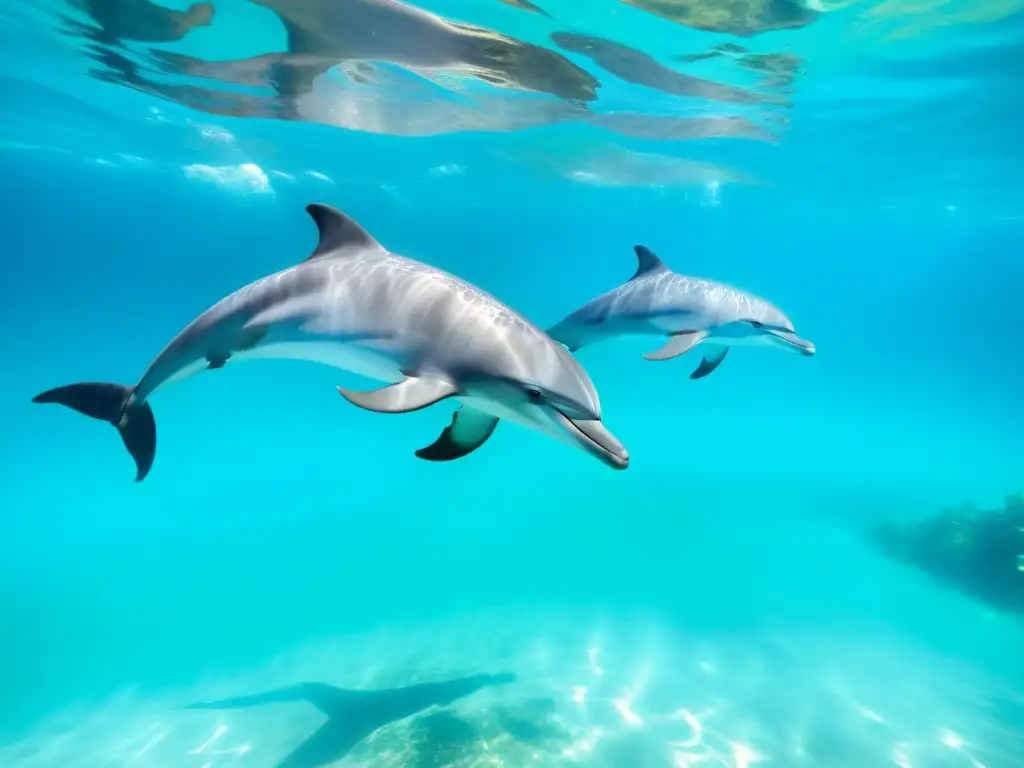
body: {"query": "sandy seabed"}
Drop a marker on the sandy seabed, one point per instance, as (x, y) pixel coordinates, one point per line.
(596, 692)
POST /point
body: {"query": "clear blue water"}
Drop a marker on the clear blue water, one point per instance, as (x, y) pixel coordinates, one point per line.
(715, 604)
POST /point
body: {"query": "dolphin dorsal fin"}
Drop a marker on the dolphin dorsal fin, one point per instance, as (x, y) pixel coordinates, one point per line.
(338, 233)
(647, 262)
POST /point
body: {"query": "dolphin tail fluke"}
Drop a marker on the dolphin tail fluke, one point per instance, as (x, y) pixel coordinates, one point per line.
(112, 403)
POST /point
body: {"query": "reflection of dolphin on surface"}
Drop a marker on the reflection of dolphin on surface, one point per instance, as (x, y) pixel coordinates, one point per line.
(139, 20)
(778, 70)
(640, 68)
(526, 5)
(353, 715)
(742, 18)
(399, 103)
(322, 33)
(375, 98)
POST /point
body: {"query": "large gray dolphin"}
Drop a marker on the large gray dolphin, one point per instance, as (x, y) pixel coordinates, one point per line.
(353, 305)
(688, 310)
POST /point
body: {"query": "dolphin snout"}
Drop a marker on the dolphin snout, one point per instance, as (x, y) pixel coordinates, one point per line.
(592, 436)
(803, 346)
(791, 341)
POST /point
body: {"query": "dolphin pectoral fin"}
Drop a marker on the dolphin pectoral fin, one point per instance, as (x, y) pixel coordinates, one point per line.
(410, 394)
(469, 430)
(679, 344)
(711, 361)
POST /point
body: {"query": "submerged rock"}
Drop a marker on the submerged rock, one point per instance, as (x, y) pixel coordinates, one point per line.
(980, 552)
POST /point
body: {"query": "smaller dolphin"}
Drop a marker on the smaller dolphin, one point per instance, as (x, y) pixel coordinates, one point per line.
(354, 305)
(688, 310)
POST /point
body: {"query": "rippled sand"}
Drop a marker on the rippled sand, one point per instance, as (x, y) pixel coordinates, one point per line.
(590, 692)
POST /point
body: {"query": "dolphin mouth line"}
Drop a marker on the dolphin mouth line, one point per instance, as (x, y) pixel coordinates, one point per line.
(608, 456)
(805, 348)
(795, 343)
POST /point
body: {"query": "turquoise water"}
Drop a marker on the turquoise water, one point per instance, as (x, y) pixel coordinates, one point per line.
(717, 603)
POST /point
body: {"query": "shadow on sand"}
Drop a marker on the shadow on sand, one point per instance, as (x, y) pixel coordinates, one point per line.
(353, 715)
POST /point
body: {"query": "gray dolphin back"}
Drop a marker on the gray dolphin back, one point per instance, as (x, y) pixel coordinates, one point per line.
(587, 324)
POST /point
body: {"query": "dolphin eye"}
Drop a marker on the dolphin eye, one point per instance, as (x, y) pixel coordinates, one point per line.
(533, 393)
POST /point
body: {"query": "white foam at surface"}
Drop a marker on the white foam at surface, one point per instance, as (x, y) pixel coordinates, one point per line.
(246, 177)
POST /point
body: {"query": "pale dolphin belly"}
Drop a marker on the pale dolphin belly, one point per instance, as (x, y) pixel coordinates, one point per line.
(353, 357)
(285, 342)
(734, 341)
(372, 363)
(737, 334)
(361, 359)
(494, 408)
(678, 322)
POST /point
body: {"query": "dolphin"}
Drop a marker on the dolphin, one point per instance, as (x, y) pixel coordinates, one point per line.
(352, 715)
(640, 68)
(352, 304)
(688, 310)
